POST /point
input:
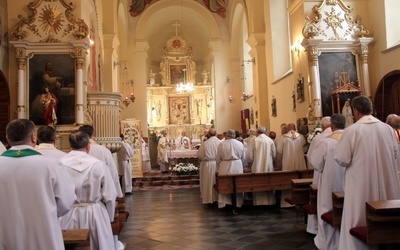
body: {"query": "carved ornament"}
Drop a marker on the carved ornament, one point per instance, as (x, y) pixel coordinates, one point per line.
(332, 21)
(50, 21)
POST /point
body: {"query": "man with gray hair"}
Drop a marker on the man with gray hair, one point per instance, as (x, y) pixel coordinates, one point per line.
(248, 144)
(263, 161)
(230, 155)
(207, 155)
(312, 220)
(367, 150)
(330, 180)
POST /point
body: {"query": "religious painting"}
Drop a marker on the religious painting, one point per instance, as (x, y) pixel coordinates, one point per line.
(300, 89)
(51, 89)
(273, 107)
(131, 129)
(302, 125)
(179, 110)
(336, 68)
(177, 73)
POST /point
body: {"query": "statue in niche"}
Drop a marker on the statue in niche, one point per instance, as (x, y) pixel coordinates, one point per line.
(204, 76)
(152, 79)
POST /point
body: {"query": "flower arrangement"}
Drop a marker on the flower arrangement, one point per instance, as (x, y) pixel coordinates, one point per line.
(311, 136)
(185, 168)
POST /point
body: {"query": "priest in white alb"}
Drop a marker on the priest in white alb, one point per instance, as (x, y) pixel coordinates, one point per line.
(46, 136)
(207, 154)
(312, 220)
(263, 161)
(290, 146)
(368, 151)
(330, 180)
(229, 159)
(162, 156)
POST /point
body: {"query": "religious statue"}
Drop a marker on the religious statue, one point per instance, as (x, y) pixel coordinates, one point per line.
(152, 79)
(204, 76)
(348, 113)
(49, 101)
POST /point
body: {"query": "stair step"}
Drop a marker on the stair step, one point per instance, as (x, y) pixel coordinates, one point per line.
(171, 179)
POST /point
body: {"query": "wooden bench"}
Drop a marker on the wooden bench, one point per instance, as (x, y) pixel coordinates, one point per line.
(383, 223)
(311, 207)
(334, 218)
(76, 238)
(300, 191)
(255, 182)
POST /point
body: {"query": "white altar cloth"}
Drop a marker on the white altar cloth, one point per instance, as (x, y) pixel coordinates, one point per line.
(175, 154)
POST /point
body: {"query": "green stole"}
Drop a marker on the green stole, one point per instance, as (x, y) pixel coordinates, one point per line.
(20, 153)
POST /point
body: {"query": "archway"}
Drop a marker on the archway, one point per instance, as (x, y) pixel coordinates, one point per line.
(387, 96)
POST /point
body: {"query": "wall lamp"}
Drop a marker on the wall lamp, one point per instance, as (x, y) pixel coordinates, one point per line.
(116, 63)
(230, 99)
(252, 60)
(244, 97)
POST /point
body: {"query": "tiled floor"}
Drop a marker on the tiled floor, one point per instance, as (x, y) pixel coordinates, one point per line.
(176, 219)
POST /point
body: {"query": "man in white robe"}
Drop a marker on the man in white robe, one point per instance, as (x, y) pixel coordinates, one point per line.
(394, 121)
(94, 206)
(330, 180)
(124, 155)
(34, 191)
(367, 150)
(229, 159)
(263, 161)
(248, 144)
(278, 157)
(162, 156)
(104, 154)
(145, 156)
(312, 220)
(46, 136)
(291, 149)
(207, 155)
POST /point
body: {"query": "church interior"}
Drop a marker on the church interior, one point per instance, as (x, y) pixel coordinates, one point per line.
(139, 67)
(191, 64)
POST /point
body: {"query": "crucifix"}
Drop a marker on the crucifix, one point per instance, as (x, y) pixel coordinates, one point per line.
(176, 25)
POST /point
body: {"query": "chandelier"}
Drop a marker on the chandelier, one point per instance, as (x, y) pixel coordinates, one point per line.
(127, 86)
(185, 86)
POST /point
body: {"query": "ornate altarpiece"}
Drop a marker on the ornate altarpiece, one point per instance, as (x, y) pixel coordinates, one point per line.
(176, 111)
(332, 29)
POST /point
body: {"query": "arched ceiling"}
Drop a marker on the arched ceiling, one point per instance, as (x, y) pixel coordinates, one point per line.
(194, 20)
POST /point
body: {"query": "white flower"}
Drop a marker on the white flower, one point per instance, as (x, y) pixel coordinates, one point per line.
(185, 168)
(311, 137)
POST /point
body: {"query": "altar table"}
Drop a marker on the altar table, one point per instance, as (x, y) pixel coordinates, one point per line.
(185, 155)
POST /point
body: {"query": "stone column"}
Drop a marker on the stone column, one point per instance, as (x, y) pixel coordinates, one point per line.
(363, 43)
(21, 112)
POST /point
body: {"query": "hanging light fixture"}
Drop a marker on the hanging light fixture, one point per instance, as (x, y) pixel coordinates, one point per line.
(184, 87)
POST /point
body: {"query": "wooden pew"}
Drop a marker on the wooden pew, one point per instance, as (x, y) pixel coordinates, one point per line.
(300, 191)
(76, 238)
(383, 223)
(334, 217)
(255, 182)
(116, 225)
(311, 208)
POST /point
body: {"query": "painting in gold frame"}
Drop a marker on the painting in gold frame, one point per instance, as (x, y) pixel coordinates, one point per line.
(179, 110)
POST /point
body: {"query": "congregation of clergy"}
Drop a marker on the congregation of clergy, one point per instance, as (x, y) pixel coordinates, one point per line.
(78, 189)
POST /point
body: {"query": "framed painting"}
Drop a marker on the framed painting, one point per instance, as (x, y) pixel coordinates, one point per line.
(179, 110)
(335, 68)
(177, 73)
(51, 86)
